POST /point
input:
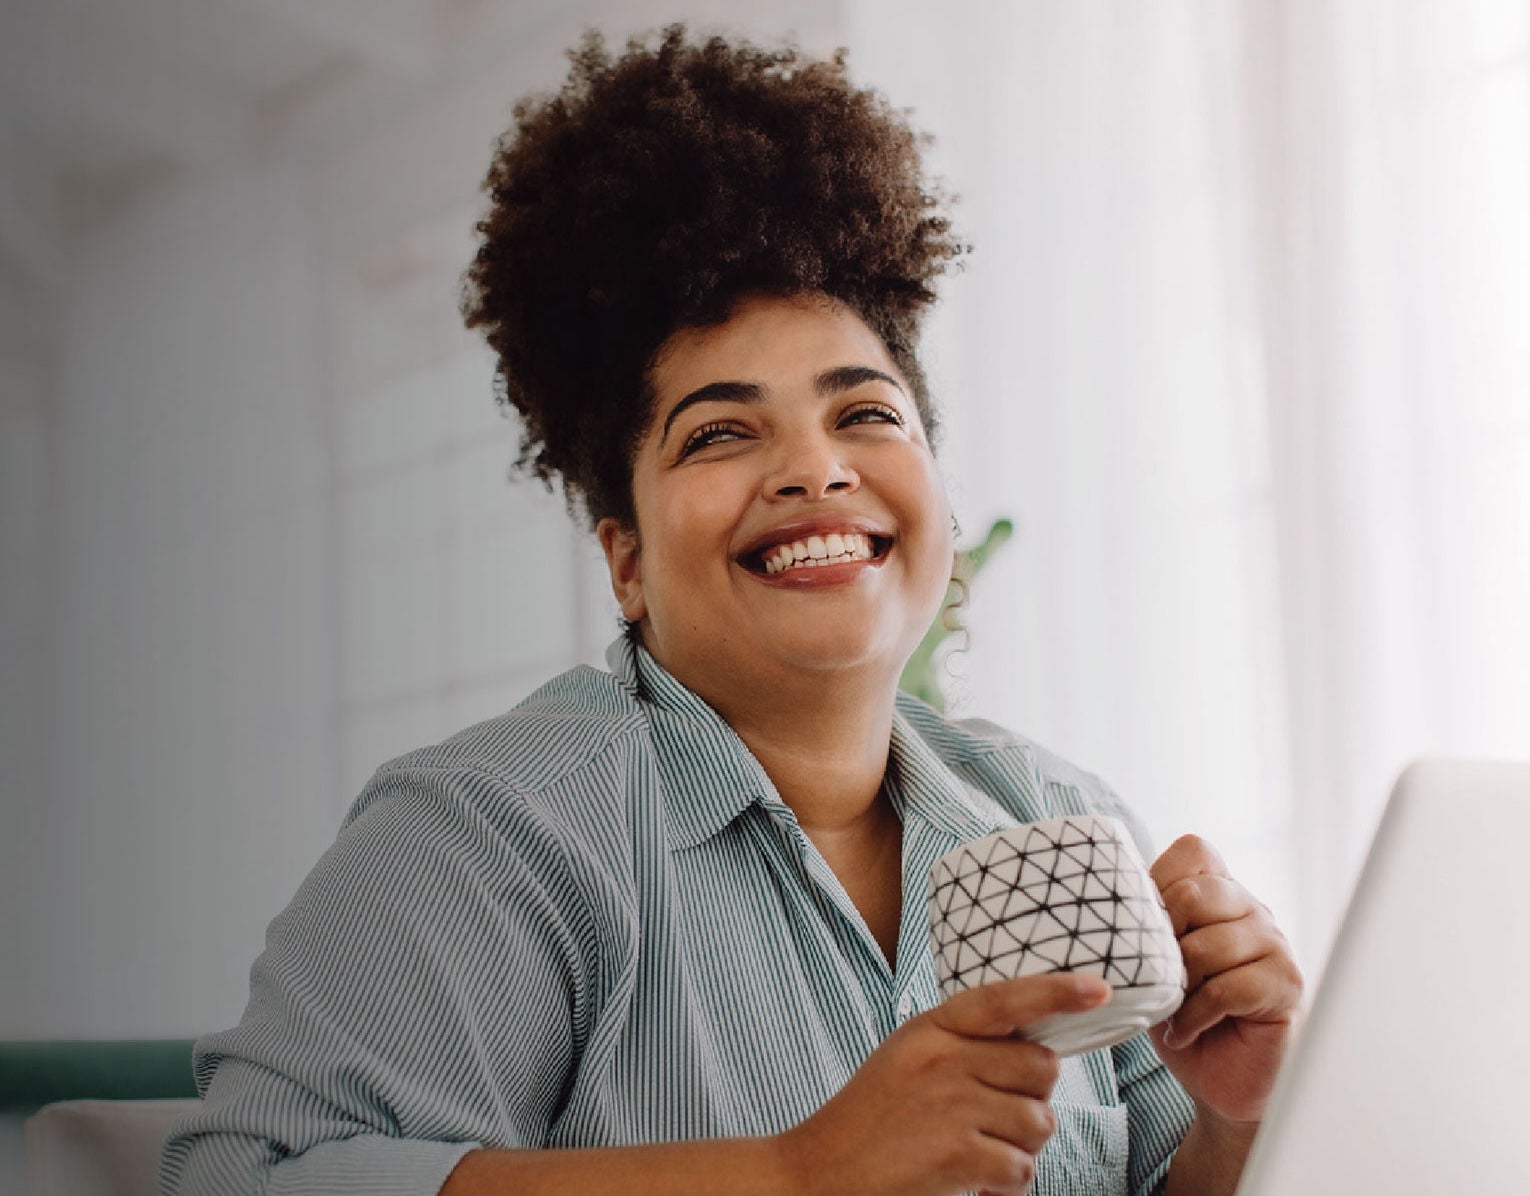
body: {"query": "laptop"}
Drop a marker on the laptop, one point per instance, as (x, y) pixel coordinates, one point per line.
(1412, 1074)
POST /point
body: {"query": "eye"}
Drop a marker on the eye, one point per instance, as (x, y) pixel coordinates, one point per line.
(871, 413)
(707, 435)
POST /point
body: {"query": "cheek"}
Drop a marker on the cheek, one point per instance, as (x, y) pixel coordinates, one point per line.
(940, 535)
(689, 536)
(928, 495)
(942, 571)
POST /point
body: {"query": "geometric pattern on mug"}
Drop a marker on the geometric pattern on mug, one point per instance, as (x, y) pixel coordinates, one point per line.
(1072, 900)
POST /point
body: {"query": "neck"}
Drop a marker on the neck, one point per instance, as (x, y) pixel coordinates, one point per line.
(823, 740)
(823, 743)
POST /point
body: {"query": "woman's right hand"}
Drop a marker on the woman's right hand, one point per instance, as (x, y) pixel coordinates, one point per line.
(950, 1102)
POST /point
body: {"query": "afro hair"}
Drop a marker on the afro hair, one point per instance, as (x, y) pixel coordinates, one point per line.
(652, 192)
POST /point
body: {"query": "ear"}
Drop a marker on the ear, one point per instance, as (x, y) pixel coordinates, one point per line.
(624, 560)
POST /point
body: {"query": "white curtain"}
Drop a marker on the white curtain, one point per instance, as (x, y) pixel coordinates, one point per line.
(1244, 349)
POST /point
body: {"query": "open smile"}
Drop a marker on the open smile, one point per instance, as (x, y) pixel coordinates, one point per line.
(815, 551)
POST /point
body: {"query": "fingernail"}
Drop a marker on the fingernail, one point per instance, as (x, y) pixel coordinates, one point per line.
(1093, 986)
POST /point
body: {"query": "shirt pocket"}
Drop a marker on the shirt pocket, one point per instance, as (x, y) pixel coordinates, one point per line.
(1088, 1154)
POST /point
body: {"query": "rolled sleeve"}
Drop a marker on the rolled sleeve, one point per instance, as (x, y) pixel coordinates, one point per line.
(367, 1165)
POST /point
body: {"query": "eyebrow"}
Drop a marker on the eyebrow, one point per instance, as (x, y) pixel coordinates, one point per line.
(830, 382)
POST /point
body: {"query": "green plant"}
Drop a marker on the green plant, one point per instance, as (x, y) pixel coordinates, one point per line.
(921, 676)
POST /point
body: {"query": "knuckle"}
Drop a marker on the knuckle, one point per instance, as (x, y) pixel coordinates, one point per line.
(988, 1001)
(951, 1156)
(1228, 892)
(1036, 1068)
(1010, 1170)
(1192, 1011)
(1034, 1126)
(1199, 851)
(930, 1053)
(1219, 988)
(1190, 844)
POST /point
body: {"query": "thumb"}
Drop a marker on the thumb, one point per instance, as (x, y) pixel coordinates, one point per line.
(999, 1009)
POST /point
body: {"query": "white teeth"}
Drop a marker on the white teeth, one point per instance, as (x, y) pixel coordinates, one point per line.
(832, 549)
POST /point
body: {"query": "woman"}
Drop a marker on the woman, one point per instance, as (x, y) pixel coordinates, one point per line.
(663, 929)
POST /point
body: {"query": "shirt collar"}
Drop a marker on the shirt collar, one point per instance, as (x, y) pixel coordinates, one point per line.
(709, 775)
(921, 784)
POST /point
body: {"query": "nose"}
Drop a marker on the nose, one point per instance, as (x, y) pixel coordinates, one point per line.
(811, 468)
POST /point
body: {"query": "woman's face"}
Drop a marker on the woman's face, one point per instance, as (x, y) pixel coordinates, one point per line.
(790, 518)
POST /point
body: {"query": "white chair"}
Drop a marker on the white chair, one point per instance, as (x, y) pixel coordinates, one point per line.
(99, 1147)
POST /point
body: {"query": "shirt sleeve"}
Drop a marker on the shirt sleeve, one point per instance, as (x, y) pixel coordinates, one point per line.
(424, 993)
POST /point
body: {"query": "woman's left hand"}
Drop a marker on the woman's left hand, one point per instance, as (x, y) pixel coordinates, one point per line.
(1244, 990)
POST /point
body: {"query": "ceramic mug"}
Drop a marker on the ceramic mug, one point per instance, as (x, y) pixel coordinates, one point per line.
(1067, 894)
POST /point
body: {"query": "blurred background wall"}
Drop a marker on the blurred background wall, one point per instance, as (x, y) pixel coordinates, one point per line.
(1241, 349)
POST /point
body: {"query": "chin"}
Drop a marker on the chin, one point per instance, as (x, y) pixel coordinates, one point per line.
(825, 654)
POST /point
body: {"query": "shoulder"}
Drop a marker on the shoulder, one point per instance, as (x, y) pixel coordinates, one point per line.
(977, 745)
(543, 775)
(559, 729)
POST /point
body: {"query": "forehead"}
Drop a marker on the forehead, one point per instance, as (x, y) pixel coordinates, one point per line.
(776, 342)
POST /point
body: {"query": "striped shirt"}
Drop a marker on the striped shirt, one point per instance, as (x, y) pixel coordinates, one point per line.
(593, 921)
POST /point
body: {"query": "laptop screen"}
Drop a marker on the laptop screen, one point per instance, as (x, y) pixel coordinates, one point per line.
(1412, 1073)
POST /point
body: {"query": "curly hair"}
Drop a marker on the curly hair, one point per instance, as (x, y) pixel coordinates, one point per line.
(652, 192)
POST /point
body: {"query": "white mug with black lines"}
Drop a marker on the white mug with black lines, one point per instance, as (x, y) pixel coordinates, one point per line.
(1068, 894)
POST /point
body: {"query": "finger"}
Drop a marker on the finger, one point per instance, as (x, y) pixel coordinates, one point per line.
(1021, 1121)
(1000, 1169)
(1222, 946)
(1013, 1065)
(1189, 855)
(1259, 992)
(1203, 899)
(999, 1009)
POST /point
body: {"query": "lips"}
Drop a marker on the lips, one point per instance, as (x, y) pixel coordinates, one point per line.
(816, 551)
(814, 544)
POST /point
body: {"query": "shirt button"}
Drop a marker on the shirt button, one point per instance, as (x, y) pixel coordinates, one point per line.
(905, 1007)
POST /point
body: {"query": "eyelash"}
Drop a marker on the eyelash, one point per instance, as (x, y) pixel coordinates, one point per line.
(892, 417)
(702, 437)
(706, 435)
